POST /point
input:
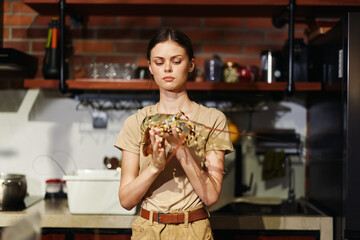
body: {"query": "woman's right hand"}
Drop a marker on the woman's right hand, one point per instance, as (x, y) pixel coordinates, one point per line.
(158, 145)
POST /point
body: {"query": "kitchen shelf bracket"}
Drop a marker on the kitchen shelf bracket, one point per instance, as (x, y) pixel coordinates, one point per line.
(62, 12)
(290, 85)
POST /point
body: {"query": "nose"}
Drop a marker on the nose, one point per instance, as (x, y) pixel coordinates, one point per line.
(168, 67)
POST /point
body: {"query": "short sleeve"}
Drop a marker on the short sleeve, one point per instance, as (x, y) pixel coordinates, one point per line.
(219, 137)
(129, 137)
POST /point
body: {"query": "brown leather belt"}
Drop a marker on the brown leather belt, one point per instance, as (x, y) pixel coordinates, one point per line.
(175, 217)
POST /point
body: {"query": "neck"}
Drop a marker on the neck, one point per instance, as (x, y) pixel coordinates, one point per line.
(174, 102)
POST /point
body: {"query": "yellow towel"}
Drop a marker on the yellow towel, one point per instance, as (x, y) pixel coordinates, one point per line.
(274, 165)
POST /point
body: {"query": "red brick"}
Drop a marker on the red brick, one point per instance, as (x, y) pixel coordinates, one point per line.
(29, 33)
(80, 60)
(115, 59)
(257, 48)
(258, 23)
(6, 7)
(38, 46)
(82, 33)
(282, 36)
(277, 36)
(21, 7)
(200, 60)
(132, 47)
(142, 61)
(18, 20)
(116, 34)
(139, 21)
(103, 21)
(181, 21)
(245, 36)
(78, 66)
(41, 20)
(224, 22)
(197, 48)
(222, 48)
(21, 46)
(93, 47)
(204, 35)
(244, 60)
(6, 33)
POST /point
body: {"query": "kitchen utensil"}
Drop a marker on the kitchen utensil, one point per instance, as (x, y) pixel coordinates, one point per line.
(51, 61)
(12, 190)
(271, 67)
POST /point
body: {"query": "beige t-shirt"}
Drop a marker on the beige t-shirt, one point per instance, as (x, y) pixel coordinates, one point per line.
(172, 191)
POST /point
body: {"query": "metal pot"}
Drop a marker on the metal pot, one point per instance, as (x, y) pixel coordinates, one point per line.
(12, 190)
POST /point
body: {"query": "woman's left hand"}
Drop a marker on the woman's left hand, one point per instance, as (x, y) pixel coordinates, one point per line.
(173, 139)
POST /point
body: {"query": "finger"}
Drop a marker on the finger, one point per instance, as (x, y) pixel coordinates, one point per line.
(152, 137)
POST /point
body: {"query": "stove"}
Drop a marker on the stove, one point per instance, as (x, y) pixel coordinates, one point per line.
(19, 206)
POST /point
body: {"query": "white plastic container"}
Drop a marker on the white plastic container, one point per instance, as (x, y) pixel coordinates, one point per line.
(94, 192)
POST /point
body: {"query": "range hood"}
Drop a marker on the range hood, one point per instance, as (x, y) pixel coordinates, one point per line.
(16, 64)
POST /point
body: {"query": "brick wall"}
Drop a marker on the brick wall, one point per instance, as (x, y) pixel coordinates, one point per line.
(123, 39)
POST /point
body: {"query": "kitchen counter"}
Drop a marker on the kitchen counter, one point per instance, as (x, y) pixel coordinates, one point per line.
(56, 214)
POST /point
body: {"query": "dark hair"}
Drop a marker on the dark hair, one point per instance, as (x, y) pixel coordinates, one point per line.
(174, 35)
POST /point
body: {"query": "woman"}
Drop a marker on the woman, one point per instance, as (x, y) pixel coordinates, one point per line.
(173, 192)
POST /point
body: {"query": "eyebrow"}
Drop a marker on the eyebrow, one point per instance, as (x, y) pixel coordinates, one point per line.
(170, 57)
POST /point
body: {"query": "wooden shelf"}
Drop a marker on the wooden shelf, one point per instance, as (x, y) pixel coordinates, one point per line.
(198, 8)
(148, 85)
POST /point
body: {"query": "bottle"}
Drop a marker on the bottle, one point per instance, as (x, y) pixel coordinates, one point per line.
(213, 69)
(51, 61)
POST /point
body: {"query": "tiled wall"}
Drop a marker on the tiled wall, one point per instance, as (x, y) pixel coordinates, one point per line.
(123, 39)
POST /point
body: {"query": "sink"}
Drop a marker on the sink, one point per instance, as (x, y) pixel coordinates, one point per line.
(282, 207)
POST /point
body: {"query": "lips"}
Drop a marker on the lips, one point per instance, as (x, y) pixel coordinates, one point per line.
(168, 79)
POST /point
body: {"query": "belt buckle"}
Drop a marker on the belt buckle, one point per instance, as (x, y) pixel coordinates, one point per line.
(158, 216)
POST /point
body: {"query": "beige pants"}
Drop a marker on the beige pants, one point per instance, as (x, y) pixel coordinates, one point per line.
(146, 230)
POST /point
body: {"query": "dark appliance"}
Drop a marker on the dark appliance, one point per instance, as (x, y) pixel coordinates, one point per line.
(334, 127)
(300, 60)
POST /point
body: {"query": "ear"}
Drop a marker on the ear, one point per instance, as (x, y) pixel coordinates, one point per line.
(192, 65)
(150, 68)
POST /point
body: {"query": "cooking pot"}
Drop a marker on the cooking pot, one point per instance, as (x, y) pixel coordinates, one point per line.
(12, 190)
